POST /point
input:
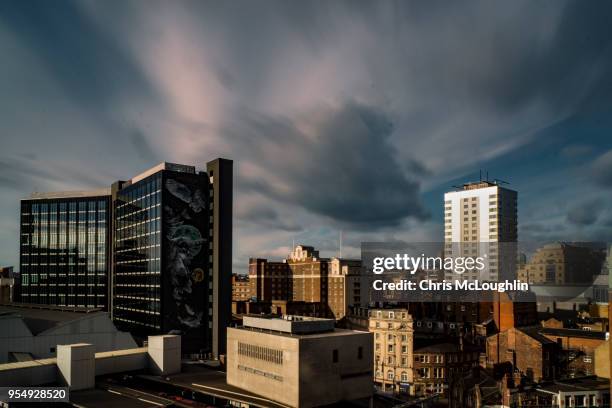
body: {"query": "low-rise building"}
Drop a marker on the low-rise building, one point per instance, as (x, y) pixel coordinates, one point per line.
(578, 346)
(282, 307)
(589, 391)
(436, 364)
(7, 285)
(29, 332)
(241, 288)
(300, 361)
(530, 353)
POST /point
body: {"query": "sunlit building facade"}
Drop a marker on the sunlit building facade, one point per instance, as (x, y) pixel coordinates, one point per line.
(64, 248)
(171, 266)
(480, 220)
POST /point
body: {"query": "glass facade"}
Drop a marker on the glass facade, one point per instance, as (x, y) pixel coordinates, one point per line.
(161, 245)
(137, 276)
(64, 255)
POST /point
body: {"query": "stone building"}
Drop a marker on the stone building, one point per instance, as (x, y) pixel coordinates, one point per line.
(393, 345)
(560, 262)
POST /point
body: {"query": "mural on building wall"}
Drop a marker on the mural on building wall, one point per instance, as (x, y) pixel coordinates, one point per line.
(185, 233)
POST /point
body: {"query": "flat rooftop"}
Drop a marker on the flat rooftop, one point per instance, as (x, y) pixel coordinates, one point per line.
(182, 168)
(588, 383)
(211, 382)
(69, 194)
(40, 318)
(564, 332)
(289, 324)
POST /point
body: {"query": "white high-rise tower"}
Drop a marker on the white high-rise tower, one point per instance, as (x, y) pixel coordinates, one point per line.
(480, 219)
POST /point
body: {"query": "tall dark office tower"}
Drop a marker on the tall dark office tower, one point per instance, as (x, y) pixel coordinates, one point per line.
(172, 249)
(64, 241)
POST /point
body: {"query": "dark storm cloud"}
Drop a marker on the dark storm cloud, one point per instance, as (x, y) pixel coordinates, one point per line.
(343, 167)
(267, 217)
(568, 68)
(441, 87)
(89, 65)
(601, 170)
(586, 213)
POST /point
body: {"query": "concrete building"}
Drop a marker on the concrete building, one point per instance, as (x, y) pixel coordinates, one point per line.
(64, 248)
(481, 218)
(393, 344)
(32, 332)
(300, 361)
(172, 253)
(78, 364)
(560, 263)
(305, 277)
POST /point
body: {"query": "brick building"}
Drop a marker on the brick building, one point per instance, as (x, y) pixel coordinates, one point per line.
(578, 346)
(514, 312)
(241, 288)
(530, 353)
(436, 364)
(305, 277)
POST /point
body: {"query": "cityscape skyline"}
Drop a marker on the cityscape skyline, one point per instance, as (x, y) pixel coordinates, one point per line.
(177, 91)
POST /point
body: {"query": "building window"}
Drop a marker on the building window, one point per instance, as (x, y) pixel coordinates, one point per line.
(390, 376)
(404, 376)
(360, 353)
(261, 353)
(335, 356)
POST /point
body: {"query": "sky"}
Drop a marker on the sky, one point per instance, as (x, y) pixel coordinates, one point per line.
(348, 116)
